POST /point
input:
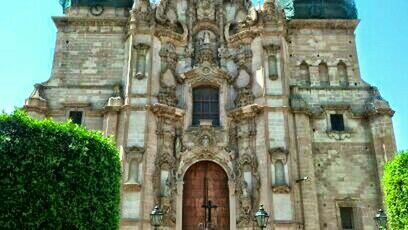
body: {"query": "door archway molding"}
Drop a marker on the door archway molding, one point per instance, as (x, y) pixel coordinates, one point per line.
(228, 169)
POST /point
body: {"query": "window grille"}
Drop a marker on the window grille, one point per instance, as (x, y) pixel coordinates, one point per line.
(206, 105)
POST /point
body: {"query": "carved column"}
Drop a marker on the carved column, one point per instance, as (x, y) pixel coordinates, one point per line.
(169, 143)
(232, 203)
(179, 217)
(248, 181)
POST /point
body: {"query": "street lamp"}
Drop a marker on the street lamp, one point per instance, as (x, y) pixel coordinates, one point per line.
(381, 219)
(261, 217)
(156, 217)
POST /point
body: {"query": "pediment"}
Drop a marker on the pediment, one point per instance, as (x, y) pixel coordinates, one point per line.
(206, 74)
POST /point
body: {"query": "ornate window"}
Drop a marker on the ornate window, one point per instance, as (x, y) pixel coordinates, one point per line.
(206, 105)
(324, 74)
(76, 117)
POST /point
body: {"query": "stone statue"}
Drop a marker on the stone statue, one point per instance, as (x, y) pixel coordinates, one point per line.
(205, 141)
(206, 36)
(178, 145)
(245, 189)
(166, 189)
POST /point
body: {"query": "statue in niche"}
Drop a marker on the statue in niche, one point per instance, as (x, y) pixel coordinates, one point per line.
(166, 189)
(178, 145)
(204, 38)
(117, 90)
(133, 176)
(205, 141)
(140, 66)
(245, 189)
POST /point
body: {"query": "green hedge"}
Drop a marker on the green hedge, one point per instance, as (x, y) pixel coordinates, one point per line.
(56, 176)
(396, 191)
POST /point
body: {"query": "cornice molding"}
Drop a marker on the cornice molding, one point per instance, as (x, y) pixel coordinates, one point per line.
(62, 21)
(323, 24)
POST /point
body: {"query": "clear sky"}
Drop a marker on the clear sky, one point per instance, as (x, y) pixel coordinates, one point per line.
(28, 38)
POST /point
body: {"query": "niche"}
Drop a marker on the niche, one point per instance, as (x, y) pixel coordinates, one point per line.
(305, 73)
(140, 61)
(324, 74)
(342, 73)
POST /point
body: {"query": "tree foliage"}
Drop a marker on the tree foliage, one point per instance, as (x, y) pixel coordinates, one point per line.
(56, 176)
(396, 191)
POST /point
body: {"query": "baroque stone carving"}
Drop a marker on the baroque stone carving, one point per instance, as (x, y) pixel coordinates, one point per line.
(206, 10)
(248, 190)
(168, 78)
(244, 97)
(339, 135)
(141, 12)
(169, 119)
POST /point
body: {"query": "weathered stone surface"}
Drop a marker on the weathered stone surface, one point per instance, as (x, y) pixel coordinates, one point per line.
(133, 75)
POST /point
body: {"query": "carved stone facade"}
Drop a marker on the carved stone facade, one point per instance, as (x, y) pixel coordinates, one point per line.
(281, 85)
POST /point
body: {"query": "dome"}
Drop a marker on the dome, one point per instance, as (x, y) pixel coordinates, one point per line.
(325, 9)
(109, 3)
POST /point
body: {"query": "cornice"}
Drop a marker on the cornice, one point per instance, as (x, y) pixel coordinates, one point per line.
(323, 24)
(245, 112)
(170, 112)
(62, 21)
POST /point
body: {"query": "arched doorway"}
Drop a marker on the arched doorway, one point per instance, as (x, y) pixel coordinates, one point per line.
(205, 186)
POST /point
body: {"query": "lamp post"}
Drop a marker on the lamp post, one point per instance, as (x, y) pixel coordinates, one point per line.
(261, 217)
(156, 217)
(381, 219)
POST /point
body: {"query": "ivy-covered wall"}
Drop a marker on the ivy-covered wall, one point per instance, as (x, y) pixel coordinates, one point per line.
(56, 176)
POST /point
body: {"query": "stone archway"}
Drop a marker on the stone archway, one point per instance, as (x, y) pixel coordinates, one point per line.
(194, 192)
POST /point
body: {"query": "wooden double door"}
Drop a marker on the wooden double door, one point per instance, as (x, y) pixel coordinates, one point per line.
(203, 182)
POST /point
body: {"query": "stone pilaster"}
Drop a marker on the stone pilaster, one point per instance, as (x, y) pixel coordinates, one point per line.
(306, 168)
(111, 116)
(382, 134)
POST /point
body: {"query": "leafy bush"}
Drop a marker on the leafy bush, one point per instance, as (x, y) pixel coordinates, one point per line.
(56, 176)
(396, 191)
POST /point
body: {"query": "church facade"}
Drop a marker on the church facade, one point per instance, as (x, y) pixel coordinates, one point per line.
(219, 106)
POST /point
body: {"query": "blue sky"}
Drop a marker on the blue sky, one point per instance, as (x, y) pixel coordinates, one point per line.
(28, 38)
